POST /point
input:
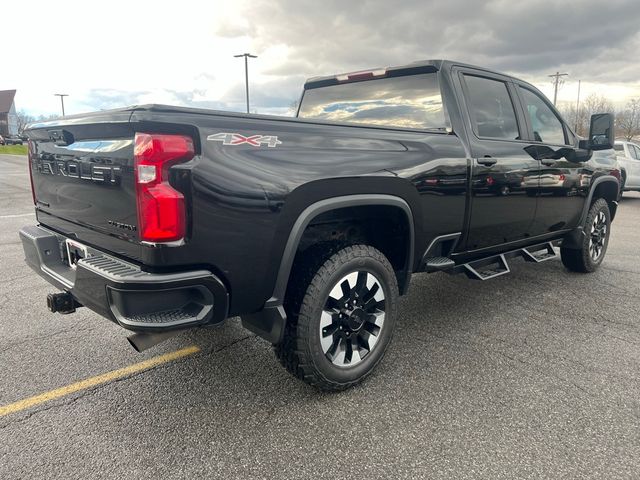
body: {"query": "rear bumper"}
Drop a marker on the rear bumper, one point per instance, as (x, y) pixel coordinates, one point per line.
(122, 292)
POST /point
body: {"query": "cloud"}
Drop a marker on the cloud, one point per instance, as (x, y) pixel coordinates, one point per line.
(185, 55)
(521, 37)
(530, 39)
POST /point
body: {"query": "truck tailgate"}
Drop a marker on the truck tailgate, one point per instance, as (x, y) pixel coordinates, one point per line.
(84, 174)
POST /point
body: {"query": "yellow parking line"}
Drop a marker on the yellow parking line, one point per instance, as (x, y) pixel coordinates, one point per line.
(97, 380)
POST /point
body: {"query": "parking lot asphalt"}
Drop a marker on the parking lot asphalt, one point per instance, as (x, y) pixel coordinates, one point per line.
(534, 374)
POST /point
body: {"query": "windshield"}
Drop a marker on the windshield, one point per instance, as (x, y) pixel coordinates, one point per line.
(410, 101)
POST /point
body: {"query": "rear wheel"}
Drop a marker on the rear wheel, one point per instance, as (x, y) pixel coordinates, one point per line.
(597, 229)
(345, 319)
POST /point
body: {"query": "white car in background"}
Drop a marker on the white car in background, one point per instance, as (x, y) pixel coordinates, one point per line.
(628, 155)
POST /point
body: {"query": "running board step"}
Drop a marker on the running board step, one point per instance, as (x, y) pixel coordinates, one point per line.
(439, 264)
(487, 268)
(539, 253)
(494, 266)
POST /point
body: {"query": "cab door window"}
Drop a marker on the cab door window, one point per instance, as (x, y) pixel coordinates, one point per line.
(491, 108)
(545, 124)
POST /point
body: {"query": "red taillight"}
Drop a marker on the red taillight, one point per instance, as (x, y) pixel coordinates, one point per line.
(30, 162)
(562, 177)
(161, 208)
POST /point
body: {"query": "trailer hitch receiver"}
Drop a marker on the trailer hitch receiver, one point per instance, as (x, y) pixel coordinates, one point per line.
(62, 303)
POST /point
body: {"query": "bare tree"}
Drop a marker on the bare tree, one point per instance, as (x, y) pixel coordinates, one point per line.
(580, 119)
(44, 118)
(595, 103)
(628, 120)
(23, 120)
(569, 113)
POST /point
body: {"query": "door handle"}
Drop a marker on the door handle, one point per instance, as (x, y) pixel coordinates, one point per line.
(548, 163)
(487, 161)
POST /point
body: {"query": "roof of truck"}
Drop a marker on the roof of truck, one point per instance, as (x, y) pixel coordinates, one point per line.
(417, 65)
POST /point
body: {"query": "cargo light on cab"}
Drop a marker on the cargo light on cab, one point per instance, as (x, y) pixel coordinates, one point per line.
(362, 75)
(161, 208)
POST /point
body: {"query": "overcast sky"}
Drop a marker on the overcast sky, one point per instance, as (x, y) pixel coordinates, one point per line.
(106, 55)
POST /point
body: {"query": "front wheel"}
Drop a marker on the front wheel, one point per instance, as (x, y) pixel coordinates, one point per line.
(597, 229)
(345, 320)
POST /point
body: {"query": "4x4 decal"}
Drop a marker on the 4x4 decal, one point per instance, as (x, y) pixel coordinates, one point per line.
(237, 139)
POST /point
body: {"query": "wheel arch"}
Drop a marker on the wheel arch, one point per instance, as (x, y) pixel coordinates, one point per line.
(606, 187)
(269, 323)
(336, 203)
(623, 172)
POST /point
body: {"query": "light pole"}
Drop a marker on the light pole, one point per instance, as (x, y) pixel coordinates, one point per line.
(61, 95)
(578, 107)
(246, 72)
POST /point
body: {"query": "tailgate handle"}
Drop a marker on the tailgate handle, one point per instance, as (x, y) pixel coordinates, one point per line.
(61, 137)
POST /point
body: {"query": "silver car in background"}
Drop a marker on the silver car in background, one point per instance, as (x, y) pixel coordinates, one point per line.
(628, 155)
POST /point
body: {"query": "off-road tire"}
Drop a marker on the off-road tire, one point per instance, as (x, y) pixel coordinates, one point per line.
(301, 352)
(582, 259)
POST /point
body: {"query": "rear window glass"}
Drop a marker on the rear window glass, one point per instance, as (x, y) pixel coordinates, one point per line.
(619, 147)
(411, 101)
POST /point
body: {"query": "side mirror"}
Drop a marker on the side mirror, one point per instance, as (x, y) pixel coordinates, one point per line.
(601, 132)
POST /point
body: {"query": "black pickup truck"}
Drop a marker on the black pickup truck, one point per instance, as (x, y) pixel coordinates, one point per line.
(163, 218)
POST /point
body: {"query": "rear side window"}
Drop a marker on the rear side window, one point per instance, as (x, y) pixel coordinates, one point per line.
(491, 108)
(410, 101)
(635, 152)
(546, 125)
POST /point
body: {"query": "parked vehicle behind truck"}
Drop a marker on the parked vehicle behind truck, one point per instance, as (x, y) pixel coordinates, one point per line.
(165, 218)
(628, 154)
(12, 140)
